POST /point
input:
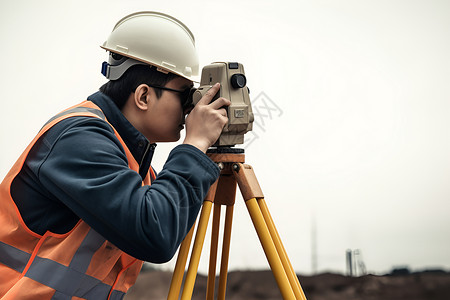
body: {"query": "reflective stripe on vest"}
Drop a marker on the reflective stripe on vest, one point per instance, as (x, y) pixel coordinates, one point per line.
(59, 277)
(34, 266)
(94, 111)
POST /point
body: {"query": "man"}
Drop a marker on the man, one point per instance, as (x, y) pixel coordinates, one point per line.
(82, 208)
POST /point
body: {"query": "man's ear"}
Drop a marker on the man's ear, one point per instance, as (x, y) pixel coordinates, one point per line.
(142, 96)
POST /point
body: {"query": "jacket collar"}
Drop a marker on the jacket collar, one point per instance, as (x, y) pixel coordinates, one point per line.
(137, 143)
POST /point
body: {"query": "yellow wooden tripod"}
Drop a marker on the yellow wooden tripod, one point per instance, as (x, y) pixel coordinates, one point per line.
(223, 192)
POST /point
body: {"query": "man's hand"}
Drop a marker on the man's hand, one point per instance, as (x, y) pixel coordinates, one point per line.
(205, 122)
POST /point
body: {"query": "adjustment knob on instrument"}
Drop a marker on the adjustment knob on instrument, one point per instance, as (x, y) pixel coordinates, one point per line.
(238, 81)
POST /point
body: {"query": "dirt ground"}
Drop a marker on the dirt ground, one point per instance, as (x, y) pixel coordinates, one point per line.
(252, 285)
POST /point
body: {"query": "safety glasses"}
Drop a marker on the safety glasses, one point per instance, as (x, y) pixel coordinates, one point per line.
(185, 95)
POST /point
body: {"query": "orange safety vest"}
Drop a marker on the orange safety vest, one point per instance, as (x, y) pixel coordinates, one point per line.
(79, 264)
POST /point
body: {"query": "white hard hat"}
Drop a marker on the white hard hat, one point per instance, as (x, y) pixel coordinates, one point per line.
(152, 38)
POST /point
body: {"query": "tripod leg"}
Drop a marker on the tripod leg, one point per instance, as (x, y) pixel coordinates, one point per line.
(267, 233)
(295, 284)
(225, 253)
(213, 253)
(196, 251)
(269, 249)
(177, 278)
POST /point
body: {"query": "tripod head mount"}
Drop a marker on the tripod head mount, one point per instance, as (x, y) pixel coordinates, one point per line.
(226, 155)
(224, 150)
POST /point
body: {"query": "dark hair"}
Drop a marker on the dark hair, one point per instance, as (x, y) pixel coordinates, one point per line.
(119, 90)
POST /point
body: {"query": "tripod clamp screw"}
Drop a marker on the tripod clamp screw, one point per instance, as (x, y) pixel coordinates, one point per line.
(221, 166)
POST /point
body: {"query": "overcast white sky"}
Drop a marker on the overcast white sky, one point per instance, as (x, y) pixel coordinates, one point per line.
(356, 138)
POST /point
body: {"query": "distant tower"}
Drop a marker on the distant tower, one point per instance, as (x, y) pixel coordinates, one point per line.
(360, 265)
(349, 260)
(355, 263)
(313, 245)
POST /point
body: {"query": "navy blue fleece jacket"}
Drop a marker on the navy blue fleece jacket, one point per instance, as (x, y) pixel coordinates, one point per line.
(78, 169)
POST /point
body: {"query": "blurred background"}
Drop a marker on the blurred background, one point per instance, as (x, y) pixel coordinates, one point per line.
(351, 139)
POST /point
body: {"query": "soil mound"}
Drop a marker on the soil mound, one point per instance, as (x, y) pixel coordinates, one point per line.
(252, 285)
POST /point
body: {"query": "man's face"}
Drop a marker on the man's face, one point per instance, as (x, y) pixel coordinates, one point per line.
(165, 116)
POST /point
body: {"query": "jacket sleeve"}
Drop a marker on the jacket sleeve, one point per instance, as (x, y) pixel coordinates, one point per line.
(86, 169)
